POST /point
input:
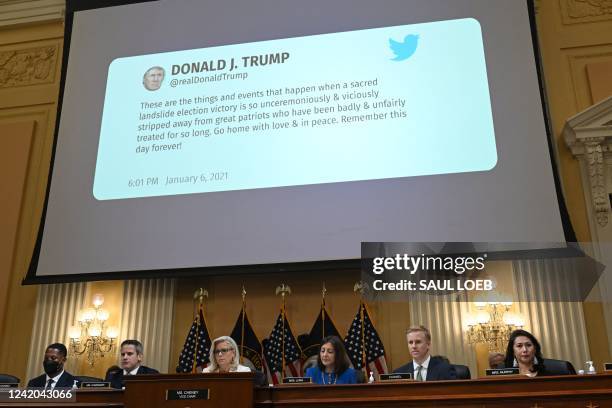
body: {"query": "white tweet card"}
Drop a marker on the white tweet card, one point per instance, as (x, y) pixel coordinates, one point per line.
(379, 103)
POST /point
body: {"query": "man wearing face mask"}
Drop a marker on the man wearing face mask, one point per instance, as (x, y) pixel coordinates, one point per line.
(55, 376)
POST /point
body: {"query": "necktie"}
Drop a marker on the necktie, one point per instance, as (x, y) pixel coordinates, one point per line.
(49, 383)
(419, 377)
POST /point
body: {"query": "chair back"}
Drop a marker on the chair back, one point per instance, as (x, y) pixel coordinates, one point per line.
(9, 379)
(463, 372)
(558, 367)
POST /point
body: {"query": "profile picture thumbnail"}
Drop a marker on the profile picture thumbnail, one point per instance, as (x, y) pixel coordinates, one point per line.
(153, 78)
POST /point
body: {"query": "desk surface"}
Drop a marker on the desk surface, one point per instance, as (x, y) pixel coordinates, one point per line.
(586, 391)
(544, 392)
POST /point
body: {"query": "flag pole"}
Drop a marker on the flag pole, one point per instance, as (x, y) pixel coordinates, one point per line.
(361, 287)
(242, 328)
(283, 290)
(323, 292)
(363, 348)
(199, 294)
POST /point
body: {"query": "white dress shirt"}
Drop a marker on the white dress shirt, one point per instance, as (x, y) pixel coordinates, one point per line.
(133, 372)
(424, 367)
(55, 380)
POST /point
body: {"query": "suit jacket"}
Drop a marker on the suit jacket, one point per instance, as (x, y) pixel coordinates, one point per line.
(552, 367)
(65, 381)
(116, 377)
(437, 370)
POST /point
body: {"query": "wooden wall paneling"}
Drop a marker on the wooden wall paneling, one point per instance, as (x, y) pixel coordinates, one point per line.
(579, 61)
(599, 75)
(16, 141)
(30, 57)
(574, 34)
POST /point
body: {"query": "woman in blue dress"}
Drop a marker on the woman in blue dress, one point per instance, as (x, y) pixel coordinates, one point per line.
(333, 364)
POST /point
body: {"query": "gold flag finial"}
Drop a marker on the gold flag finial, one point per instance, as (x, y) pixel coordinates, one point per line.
(243, 294)
(283, 289)
(361, 287)
(323, 292)
(200, 294)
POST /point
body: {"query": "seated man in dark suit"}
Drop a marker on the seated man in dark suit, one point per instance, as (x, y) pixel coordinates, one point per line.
(132, 353)
(53, 364)
(423, 367)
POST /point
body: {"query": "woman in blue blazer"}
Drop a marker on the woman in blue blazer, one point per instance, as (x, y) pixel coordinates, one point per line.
(333, 364)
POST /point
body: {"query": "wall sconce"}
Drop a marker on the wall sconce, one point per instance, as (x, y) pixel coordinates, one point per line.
(91, 336)
(492, 325)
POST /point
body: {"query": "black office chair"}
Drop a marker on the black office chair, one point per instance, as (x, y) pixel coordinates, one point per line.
(260, 379)
(558, 367)
(9, 379)
(554, 367)
(463, 372)
(310, 362)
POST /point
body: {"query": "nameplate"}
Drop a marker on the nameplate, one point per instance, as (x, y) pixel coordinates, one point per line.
(9, 385)
(502, 371)
(95, 384)
(395, 376)
(175, 395)
(607, 366)
(297, 380)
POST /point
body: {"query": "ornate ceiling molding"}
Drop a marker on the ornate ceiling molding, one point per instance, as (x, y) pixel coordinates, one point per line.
(584, 11)
(30, 66)
(589, 137)
(14, 12)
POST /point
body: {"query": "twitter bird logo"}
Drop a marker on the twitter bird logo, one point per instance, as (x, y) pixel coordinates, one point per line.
(404, 50)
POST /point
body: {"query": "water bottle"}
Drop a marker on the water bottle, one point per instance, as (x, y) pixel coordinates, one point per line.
(590, 368)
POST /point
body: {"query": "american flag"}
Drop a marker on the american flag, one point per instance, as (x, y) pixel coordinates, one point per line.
(374, 348)
(275, 347)
(196, 345)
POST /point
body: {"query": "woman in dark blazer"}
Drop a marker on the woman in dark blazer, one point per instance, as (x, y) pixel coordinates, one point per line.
(525, 353)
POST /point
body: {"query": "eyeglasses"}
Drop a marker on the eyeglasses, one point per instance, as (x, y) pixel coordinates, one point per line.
(223, 350)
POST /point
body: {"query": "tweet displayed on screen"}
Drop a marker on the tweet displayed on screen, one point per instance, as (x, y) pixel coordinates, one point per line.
(390, 102)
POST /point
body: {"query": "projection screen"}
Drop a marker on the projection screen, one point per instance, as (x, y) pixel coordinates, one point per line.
(213, 136)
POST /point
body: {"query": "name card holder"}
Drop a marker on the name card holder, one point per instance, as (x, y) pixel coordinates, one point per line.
(396, 377)
(297, 380)
(179, 395)
(95, 384)
(501, 371)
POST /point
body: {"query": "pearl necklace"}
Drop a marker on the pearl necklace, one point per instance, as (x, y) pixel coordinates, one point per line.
(329, 378)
